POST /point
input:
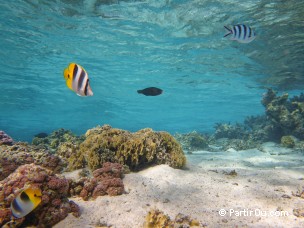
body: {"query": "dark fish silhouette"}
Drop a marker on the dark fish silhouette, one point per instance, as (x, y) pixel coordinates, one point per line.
(151, 91)
(41, 135)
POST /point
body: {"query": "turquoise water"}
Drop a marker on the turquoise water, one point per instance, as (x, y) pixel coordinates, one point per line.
(177, 46)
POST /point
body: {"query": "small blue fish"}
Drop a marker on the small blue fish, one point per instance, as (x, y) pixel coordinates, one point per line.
(241, 33)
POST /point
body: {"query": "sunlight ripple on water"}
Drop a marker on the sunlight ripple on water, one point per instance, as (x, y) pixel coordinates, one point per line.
(177, 46)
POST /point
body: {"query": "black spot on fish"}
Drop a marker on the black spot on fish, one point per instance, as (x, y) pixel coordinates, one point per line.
(41, 135)
(16, 206)
(151, 91)
(24, 197)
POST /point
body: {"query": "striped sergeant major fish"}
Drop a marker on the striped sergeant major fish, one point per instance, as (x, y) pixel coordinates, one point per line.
(25, 202)
(77, 80)
(240, 33)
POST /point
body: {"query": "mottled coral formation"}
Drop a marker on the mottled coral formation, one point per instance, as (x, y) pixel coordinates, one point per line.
(5, 139)
(288, 141)
(55, 204)
(69, 151)
(193, 141)
(11, 157)
(286, 116)
(157, 219)
(299, 212)
(136, 150)
(283, 122)
(52, 141)
(238, 136)
(106, 181)
(230, 131)
(299, 193)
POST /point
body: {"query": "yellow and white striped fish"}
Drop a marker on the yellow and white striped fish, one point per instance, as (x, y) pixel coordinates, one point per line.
(77, 79)
(25, 202)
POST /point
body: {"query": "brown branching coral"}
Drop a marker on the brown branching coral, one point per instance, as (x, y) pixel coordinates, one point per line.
(106, 181)
(286, 115)
(136, 150)
(11, 157)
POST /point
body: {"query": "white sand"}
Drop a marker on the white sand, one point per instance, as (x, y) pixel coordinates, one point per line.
(203, 189)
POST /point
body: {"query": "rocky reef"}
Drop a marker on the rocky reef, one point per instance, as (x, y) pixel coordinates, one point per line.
(5, 139)
(13, 156)
(134, 150)
(105, 152)
(157, 219)
(106, 181)
(55, 205)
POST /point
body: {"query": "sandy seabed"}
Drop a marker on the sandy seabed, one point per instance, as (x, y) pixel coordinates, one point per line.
(260, 195)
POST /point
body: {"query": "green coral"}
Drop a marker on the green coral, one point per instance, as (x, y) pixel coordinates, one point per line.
(136, 150)
(288, 141)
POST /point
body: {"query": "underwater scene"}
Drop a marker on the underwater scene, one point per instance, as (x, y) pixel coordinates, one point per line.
(160, 113)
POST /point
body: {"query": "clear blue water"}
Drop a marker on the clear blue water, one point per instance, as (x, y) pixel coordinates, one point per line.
(177, 46)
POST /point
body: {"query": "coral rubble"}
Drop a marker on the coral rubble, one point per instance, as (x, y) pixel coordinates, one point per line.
(135, 150)
(299, 193)
(157, 219)
(55, 204)
(106, 181)
(11, 157)
(299, 212)
(5, 139)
